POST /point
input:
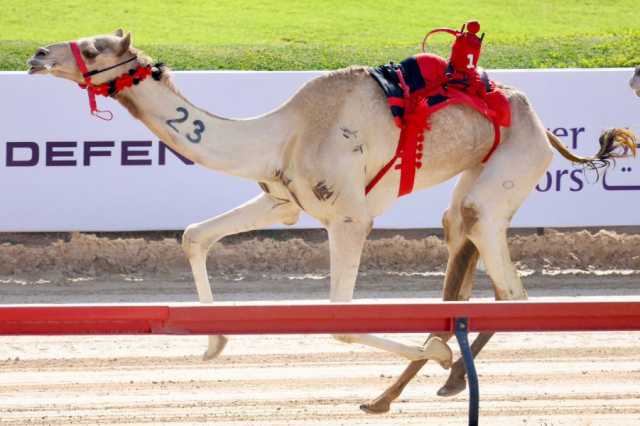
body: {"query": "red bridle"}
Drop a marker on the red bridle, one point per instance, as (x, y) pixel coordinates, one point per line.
(124, 81)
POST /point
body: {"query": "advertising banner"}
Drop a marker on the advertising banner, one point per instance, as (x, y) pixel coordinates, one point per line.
(64, 170)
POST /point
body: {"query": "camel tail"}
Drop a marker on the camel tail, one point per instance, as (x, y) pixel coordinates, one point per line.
(614, 143)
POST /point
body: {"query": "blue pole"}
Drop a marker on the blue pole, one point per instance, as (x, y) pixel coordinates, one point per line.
(462, 335)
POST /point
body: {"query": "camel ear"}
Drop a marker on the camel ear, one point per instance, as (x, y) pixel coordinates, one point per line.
(125, 44)
(119, 32)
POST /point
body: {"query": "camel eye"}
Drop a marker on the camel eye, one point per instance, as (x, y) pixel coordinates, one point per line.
(90, 54)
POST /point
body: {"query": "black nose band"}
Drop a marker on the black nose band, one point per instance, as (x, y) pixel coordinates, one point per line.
(94, 72)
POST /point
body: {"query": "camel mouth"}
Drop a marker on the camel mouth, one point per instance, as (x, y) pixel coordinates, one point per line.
(37, 69)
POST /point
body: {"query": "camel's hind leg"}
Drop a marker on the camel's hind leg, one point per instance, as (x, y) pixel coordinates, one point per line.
(489, 206)
(486, 206)
(257, 213)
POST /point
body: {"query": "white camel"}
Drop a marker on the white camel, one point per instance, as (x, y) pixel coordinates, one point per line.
(317, 152)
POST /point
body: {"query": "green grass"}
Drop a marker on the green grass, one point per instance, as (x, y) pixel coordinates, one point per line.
(305, 34)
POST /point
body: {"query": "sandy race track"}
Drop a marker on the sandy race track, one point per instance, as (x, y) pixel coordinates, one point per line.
(526, 379)
(549, 379)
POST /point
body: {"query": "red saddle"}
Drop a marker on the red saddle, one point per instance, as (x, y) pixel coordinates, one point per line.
(425, 83)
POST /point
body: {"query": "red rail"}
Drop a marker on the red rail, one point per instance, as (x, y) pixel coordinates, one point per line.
(317, 318)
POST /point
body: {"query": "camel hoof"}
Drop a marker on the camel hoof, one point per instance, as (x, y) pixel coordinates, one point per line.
(438, 350)
(216, 346)
(452, 388)
(376, 407)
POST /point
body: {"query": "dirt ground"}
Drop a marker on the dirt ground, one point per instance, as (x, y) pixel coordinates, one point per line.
(525, 379)
(273, 254)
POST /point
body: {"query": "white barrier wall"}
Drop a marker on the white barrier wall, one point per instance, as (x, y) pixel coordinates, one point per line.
(63, 170)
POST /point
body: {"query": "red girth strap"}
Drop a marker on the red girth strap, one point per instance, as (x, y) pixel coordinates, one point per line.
(409, 148)
(105, 115)
(411, 142)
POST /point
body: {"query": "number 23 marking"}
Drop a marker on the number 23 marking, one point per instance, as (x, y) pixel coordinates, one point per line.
(198, 125)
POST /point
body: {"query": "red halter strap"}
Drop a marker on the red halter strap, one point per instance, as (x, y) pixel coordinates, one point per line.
(104, 115)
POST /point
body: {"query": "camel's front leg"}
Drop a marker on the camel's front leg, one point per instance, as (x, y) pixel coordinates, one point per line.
(458, 283)
(346, 240)
(257, 213)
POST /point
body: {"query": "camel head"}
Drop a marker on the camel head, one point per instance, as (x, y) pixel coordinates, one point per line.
(99, 52)
(635, 81)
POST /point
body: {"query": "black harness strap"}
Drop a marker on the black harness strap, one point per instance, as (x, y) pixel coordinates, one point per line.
(94, 72)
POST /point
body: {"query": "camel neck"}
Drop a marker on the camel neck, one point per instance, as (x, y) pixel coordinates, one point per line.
(249, 148)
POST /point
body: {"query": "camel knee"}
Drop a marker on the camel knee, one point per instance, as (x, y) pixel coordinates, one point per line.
(194, 242)
(189, 241)
(360, 226)
(482, 218)
(453, 229)
(470, 214)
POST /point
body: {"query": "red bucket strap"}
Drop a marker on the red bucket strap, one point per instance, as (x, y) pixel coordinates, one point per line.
(104, 115)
